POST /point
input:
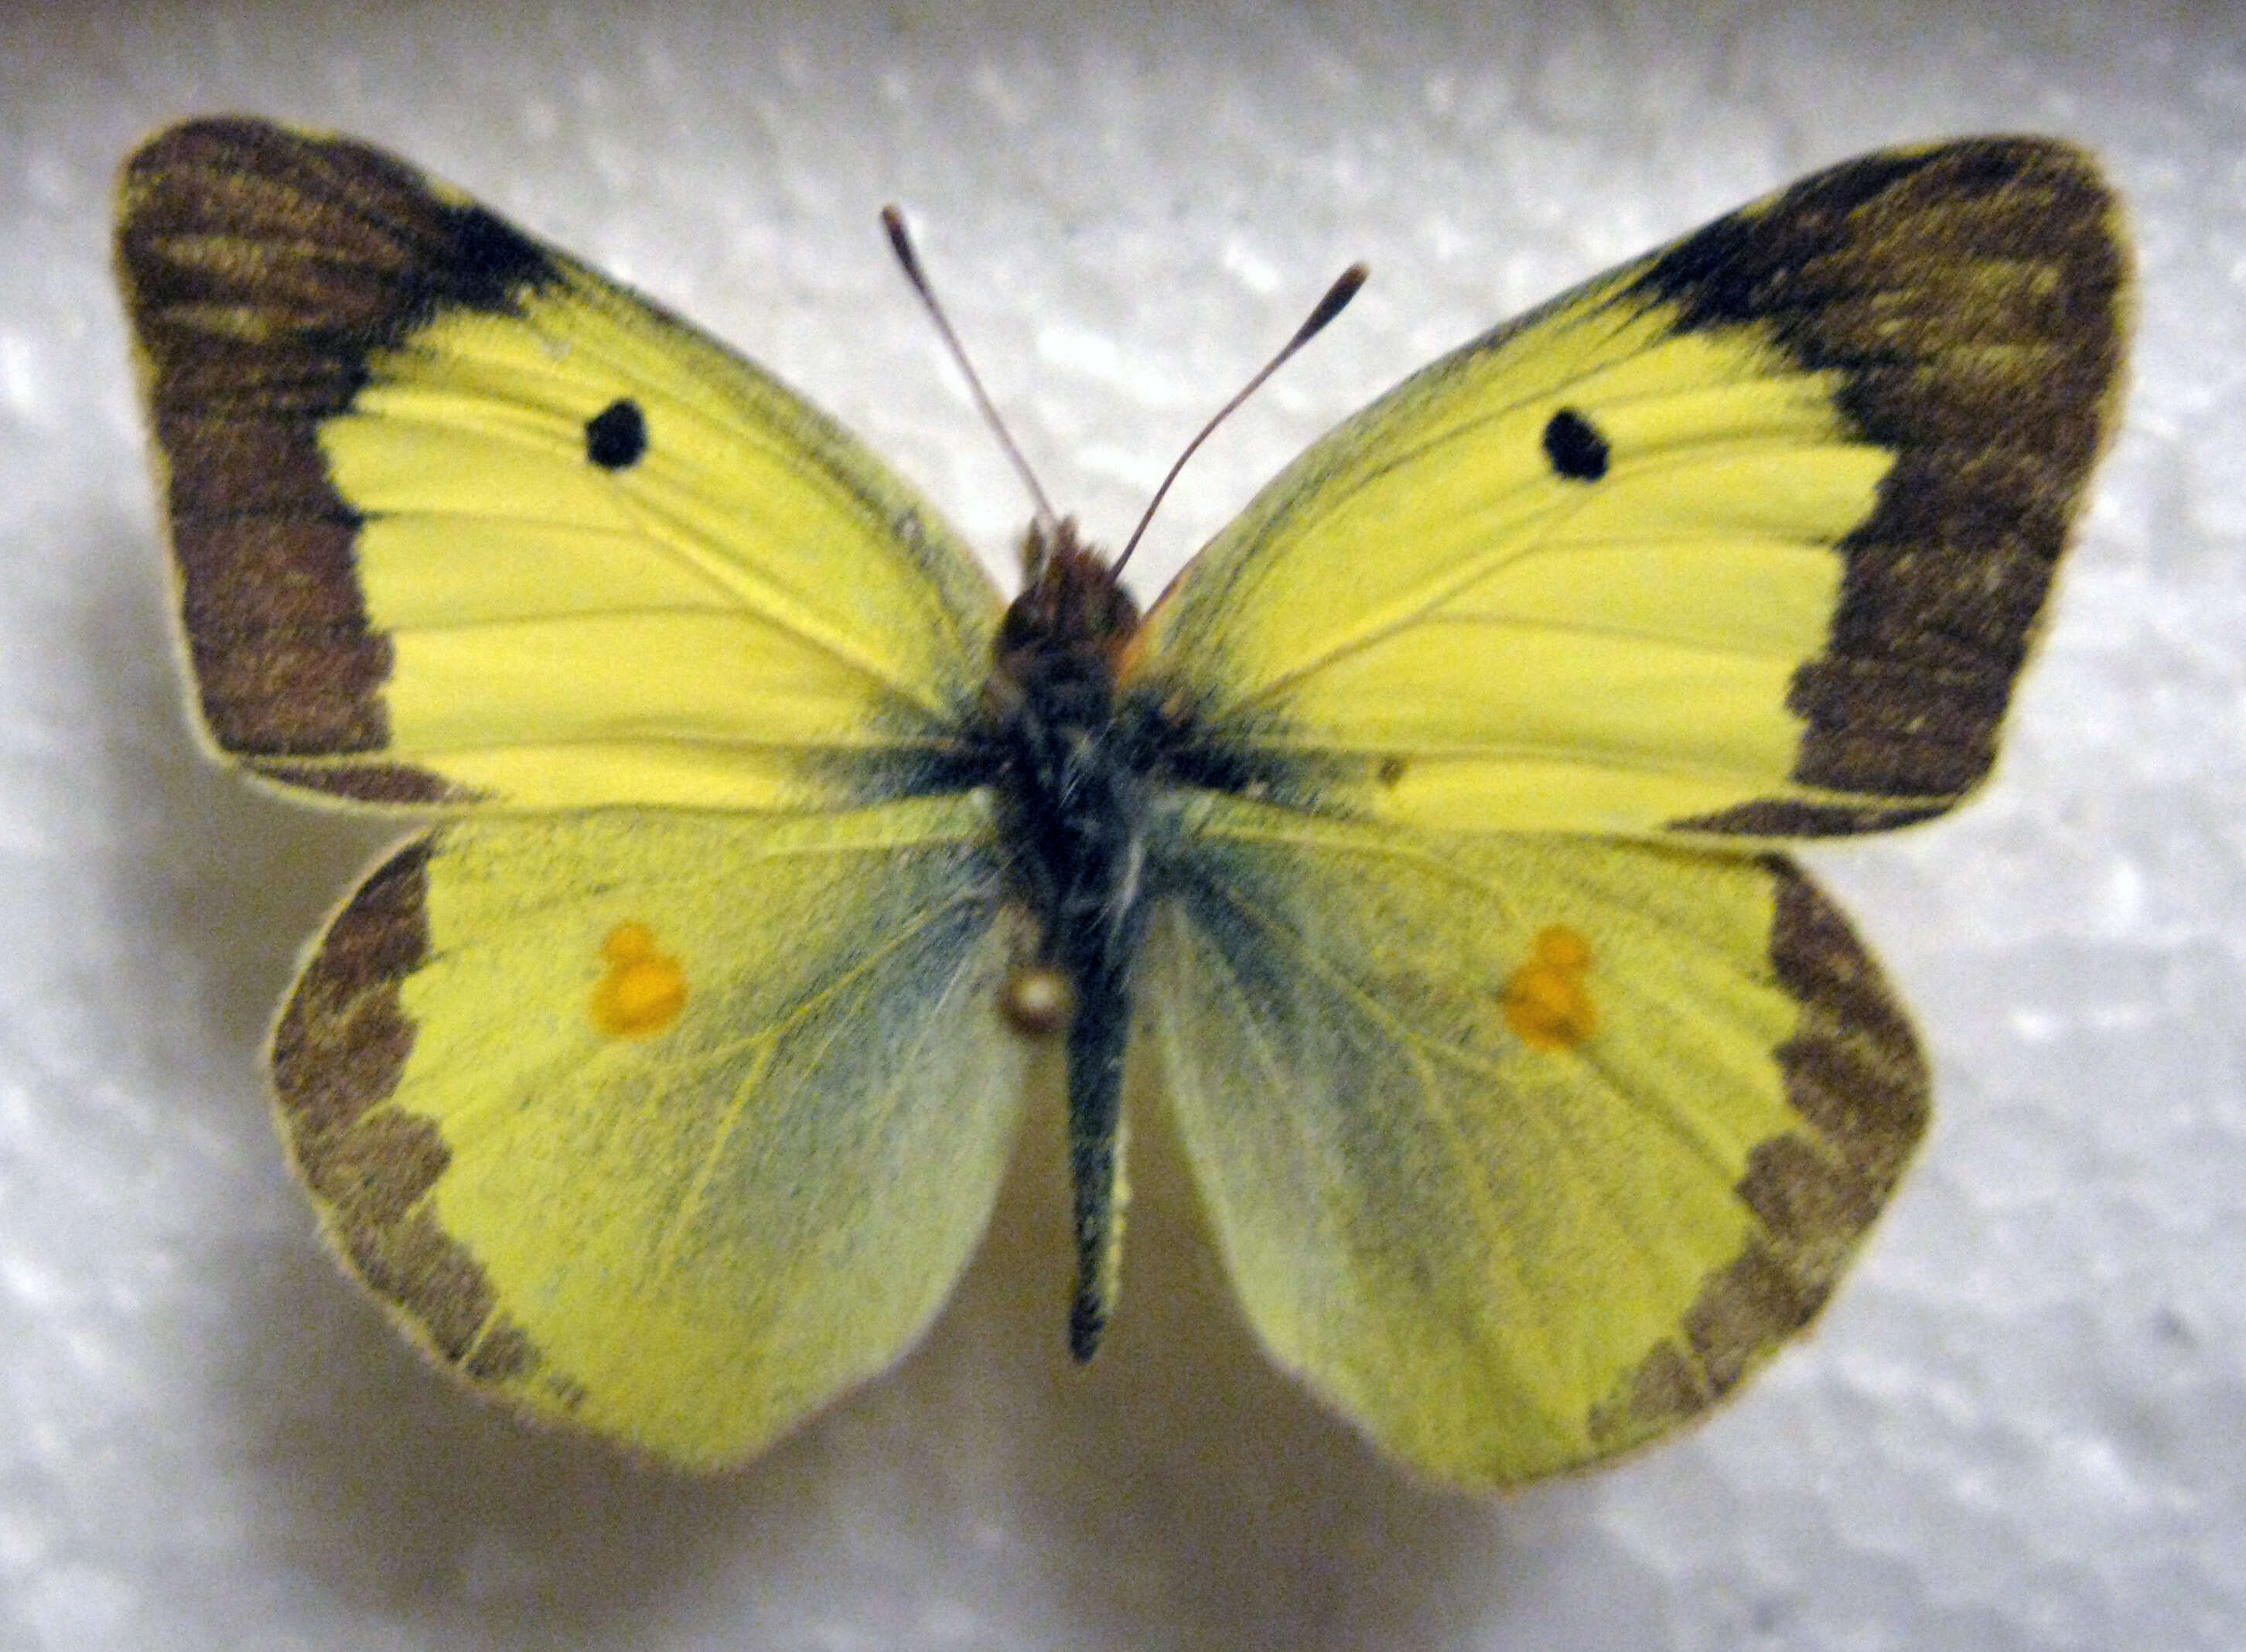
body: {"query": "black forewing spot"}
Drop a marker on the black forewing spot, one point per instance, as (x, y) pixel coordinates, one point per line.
(1576, 446)
(616, 436)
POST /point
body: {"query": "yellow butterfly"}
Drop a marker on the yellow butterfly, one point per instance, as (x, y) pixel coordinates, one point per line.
(1424, 833)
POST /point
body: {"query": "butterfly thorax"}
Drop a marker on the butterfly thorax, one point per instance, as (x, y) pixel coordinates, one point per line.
(1073, 787)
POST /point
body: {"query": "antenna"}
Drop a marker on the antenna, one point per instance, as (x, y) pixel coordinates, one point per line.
(901, 243)
(1326, 309)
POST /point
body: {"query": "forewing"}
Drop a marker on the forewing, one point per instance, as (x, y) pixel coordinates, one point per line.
(665, 1125)
(1748, 537)
(457, 519)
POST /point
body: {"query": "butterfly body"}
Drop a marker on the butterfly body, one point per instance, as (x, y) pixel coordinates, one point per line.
(1425, 837)
(1075, 776)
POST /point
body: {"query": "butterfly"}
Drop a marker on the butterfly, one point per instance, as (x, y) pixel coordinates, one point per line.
(1426, 835)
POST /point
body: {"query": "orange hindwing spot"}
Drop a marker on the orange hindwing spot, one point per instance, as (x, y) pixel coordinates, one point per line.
(1546, 999)
(644, 988)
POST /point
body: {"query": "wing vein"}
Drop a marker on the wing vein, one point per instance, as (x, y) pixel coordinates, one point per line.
(1537, 537)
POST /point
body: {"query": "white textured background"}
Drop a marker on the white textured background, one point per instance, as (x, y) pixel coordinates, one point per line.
(2024, 1422)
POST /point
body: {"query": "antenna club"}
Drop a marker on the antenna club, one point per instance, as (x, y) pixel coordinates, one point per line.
(893, 221)
(1337, 300)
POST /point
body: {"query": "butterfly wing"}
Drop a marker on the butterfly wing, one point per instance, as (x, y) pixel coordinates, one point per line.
(667, 1095)
(1749, 537)
(1531, 1104)
(663, 1124)
(1520, 1149)
(457, 519)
